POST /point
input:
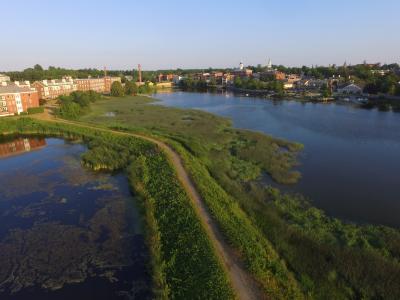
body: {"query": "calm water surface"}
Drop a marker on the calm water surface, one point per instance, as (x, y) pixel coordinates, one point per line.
(66, 232)
(351, 161)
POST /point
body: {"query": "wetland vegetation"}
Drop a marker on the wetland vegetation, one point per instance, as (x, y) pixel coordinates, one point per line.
(184, 264)
(291, 248)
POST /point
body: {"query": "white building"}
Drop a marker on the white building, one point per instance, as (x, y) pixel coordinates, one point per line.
(4, 78)
(177, 79)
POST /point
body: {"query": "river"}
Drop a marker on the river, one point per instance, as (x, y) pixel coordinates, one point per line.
(351, 160)
(66, 232)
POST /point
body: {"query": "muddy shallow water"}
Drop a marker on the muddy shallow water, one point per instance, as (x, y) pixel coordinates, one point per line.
(66, 232)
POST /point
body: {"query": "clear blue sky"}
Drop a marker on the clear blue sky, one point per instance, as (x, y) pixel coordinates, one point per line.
(196, 34)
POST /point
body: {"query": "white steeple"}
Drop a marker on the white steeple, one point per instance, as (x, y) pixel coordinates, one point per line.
(269, 65)
(241, 66)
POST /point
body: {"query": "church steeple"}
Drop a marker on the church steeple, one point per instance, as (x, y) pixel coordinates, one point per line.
(269, 65)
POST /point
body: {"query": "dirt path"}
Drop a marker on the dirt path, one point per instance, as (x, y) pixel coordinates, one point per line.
(244, 286)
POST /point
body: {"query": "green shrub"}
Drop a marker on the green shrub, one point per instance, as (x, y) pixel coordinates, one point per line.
(35, 110)
(117, 89)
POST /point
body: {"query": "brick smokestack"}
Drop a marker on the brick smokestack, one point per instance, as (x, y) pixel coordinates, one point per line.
(140, 73)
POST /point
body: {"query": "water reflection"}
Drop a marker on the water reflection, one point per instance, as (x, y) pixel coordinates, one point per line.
(21, 145)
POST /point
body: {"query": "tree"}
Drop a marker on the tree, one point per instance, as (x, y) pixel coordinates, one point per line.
(397, 91)
(371, 88)
(238, 82)
(116, 89)
(130, 88)
(212, 82)
(37, 67)
(325, 91)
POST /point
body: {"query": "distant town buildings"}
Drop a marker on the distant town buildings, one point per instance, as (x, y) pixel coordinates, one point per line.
(4, 78)
(16, 98)
(242, 71)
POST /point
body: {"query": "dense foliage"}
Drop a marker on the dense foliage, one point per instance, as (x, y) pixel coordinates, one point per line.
(183, 261)
(35, 110)
(117, 90)
(191, 269)
(76, 103)
(146, 88)
(39, 73)
(131, 88)
(255, 84)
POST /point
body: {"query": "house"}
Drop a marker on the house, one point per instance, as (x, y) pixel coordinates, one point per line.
(350, 89)
(177, 79)
(165, 77)
(272, 74)
(293, 78)
(15, 99)
(311, 83)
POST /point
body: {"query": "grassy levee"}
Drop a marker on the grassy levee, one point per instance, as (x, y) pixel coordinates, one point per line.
(198, 275)
(183, 261)
(257, 252)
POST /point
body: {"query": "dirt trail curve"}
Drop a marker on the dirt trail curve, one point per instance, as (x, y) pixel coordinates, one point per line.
(244, 286)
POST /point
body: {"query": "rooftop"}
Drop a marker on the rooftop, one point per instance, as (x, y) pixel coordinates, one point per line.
(6, 88)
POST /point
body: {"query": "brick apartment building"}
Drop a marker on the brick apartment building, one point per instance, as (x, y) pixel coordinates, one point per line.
(91, 84)
(21, 145)
(51, 89)
(16, 98)
(99, 85)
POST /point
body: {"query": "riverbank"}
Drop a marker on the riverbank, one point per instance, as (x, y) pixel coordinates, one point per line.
(338, 141)
(364, 101)
(223, 161)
